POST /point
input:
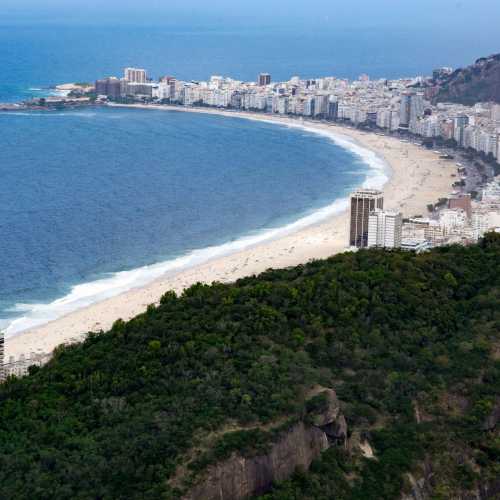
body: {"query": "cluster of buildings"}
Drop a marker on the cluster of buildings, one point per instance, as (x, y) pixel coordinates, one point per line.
(392, 105)
(460, 220)
(19, 366)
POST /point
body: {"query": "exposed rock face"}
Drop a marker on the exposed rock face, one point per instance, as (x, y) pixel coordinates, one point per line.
(420, 488)
(239, 477)
(477, 83)
(492, 421)
(331, 411)
(330, 420)
(417, 492)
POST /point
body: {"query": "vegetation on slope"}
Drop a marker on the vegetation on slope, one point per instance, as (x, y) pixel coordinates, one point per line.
(479, 82)
(409, 342)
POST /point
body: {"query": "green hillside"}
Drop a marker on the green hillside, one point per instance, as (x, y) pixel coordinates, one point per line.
(479, 82)
(410, 343)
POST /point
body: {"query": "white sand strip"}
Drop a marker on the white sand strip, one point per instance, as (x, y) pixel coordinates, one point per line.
(418, 178)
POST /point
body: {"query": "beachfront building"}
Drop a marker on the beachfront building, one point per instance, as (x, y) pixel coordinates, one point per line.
(491, 193)
(452, 220)
(419, 228)
(435, 234)
(139, 90)
(495, 113)
(480, 222)
(363, 202)
(264, 79)
(405, 109)
(415, 245)
(461, 202)
(18, 367)
(135, 75)
(110, 87)
(385, 229)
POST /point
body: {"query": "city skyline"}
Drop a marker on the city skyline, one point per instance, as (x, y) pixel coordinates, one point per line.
(404, 103)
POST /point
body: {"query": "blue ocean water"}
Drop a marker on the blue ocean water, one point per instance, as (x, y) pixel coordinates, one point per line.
(85, 195)
(40, 54)
(88, 193)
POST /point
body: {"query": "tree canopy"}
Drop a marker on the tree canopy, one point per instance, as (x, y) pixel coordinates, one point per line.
(409, 342)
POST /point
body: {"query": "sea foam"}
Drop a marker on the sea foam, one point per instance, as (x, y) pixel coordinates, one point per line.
(111, 285)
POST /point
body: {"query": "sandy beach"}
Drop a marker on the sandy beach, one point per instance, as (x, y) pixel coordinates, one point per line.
(418, 178)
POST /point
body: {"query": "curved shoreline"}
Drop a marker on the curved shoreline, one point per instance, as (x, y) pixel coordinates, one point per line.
(87, 293)
(411, 186)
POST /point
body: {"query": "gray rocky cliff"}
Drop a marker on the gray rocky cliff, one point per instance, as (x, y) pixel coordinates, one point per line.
(239, 477)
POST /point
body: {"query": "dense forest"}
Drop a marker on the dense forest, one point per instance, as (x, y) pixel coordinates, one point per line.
(410, 343)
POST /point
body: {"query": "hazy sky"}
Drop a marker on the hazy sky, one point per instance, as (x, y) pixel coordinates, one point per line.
(473, 15)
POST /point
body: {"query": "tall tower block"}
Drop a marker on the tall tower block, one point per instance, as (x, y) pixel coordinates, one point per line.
(363, 202)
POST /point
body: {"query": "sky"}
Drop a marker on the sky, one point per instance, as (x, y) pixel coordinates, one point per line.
(473, 15)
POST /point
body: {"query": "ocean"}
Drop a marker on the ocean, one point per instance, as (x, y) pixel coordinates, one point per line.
(97, 201)
(40, 54)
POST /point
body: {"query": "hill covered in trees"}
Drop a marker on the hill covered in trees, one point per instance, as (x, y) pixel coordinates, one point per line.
(479, 82)
(410, 344)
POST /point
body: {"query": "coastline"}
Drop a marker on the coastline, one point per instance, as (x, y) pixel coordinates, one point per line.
(418, 177)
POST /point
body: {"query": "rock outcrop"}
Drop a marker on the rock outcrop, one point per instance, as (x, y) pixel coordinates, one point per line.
(329, 419)
(239, 477)
(418, 490)
(492, 420)
(421, 489)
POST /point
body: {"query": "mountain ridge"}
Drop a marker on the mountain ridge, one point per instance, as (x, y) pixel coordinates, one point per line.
(479, 82)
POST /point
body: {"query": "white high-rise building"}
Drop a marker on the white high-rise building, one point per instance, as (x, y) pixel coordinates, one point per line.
(417, 106)
(164, 90)
(320, 105)
(216, 82)
(405, 109)
(495, 113)
(135, 75)
(480, 222)
(451, 219)
(385, 229)
(491, 192)
(411, 108)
